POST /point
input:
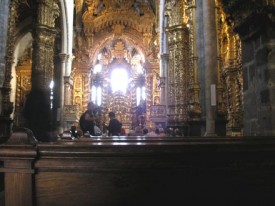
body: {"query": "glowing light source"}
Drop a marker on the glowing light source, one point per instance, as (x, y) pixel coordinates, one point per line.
(51, 95)
(51, 84)
(143, 93)
(99, 56)
(139, 69)
(97, 68)
(119, 80)
(140, 94)
(97, 95)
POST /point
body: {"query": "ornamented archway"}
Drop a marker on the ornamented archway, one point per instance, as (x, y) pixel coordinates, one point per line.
(113, 36)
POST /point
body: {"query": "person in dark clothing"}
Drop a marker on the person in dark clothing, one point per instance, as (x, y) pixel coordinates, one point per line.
(38, 114)
(114, 125)
(87, 120)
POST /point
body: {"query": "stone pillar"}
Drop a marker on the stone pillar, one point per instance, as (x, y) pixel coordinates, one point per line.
(68, 90)
(38, 108)
(164, 58)
(210, 65)
(4, 14)
(68, 82)
(163, 79)
(62, 57)
(69, 61)
(256, 29)
(6, 104)
(271, 68)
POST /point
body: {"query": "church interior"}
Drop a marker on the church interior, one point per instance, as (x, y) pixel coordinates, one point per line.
(200, 71)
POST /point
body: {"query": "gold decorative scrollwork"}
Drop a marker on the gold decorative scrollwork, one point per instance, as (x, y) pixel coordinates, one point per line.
(179, 64)
(230, 74)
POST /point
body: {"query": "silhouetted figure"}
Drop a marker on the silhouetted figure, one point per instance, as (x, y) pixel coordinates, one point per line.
(114, 127)
(145, 131)
(87, 119)
(37, 112)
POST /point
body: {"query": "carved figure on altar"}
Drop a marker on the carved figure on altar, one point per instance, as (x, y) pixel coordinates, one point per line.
(137, 7)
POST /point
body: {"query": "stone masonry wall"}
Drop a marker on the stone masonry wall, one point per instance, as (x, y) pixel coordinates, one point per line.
(259, 85)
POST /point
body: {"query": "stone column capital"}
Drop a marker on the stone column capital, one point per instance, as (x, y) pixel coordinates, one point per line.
(63, 57)
(162, 81)
(164, 55)
(68, 80)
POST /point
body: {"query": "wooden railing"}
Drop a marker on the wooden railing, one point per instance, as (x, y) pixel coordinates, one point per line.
(137, 170)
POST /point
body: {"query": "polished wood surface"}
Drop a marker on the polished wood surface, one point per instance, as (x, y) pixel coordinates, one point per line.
(140, 171)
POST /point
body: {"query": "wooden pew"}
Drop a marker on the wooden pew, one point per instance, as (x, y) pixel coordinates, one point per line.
(139, 171)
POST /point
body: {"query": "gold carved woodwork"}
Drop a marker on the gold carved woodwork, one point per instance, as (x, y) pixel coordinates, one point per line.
(221, 100)
(121, 105)
(118, 30)
(230, 74)
(23, 85)
(233, 79)
(194, 106)
(179, 64)
(158, 113)
(118, 20)
(119, 52)
(81, 90)
(113, 13)
(44, 38)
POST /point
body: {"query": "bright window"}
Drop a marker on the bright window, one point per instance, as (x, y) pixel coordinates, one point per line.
(119, 80)
(140, 94)
(97, 95)
(97, 68)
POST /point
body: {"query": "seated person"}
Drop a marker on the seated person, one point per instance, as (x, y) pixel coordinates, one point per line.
(145, 131)
(87, 120)
(114, 127)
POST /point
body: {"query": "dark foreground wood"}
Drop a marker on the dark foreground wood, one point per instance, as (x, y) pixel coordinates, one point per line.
(140, 171)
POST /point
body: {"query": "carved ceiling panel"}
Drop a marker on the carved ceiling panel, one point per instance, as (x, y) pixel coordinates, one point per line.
(104, 22)
(100, 14)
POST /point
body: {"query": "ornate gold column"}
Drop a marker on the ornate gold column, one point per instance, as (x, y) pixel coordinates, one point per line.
(149, 97)
(6, 104)
(221, 108)
(231, 75)
(210, 65)
(178, 79)
(194, 108)
(44, 37)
